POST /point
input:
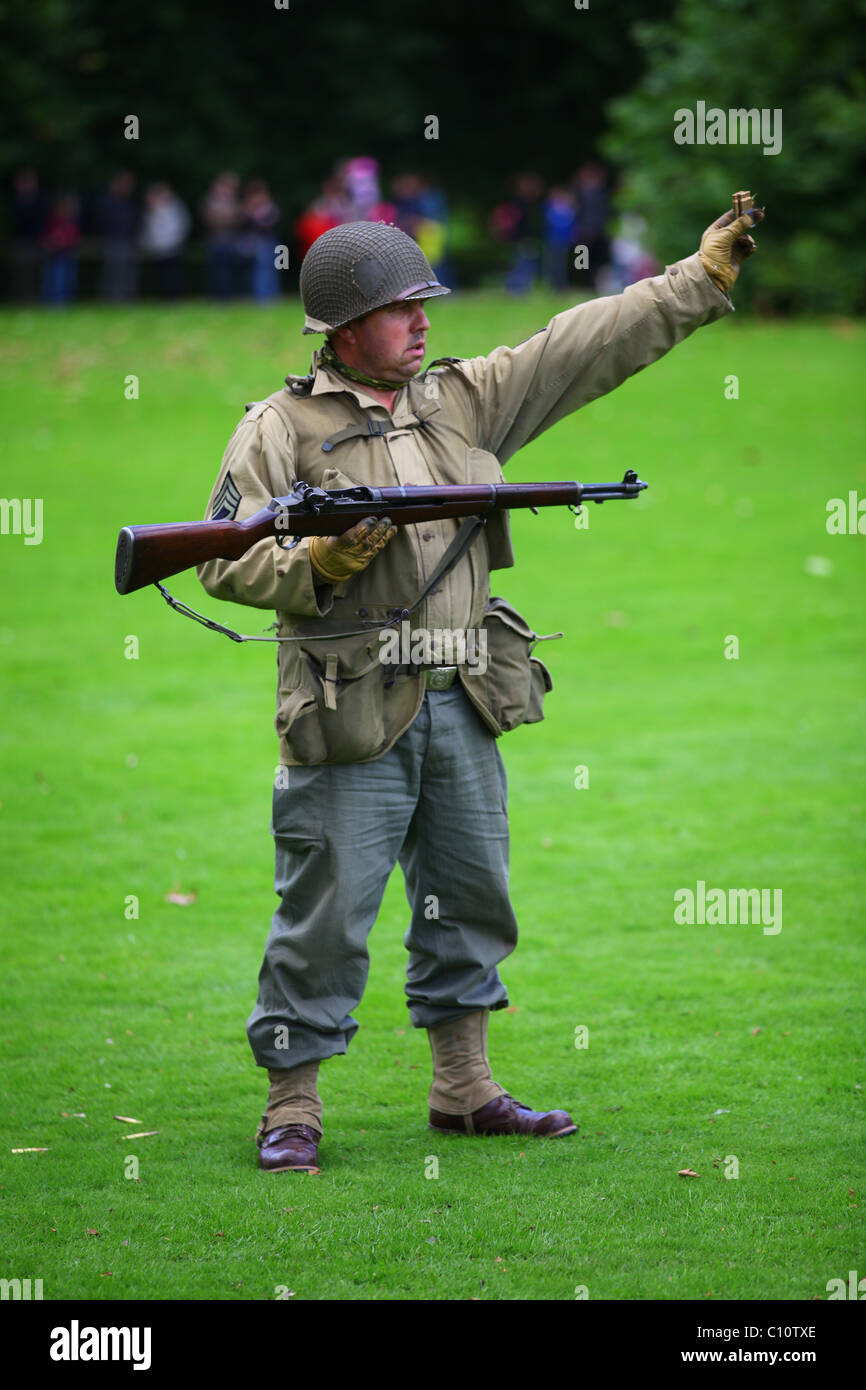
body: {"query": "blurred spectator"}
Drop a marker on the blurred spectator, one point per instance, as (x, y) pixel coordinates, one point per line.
(406, 191)
(116, 221)
(220, 211)
(361, 181)
(329, 210)
(629, 259)
(519, 221)
(422, 211)
(165, 228)
(593, 208)
(60, 237)
(259, 239)
(27, 215)
(560, 236)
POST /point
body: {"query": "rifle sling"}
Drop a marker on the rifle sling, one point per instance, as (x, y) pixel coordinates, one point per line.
(467, 532)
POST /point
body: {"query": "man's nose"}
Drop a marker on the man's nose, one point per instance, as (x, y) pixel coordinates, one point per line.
(420, 321)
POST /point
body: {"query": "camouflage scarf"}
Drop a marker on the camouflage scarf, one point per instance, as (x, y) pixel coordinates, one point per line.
(330, 358)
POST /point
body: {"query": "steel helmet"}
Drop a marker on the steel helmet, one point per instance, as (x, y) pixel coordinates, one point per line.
(358, 267)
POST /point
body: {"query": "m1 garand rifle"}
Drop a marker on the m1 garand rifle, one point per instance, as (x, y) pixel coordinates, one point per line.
(148, 554)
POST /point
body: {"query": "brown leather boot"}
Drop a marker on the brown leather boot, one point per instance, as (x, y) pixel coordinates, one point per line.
(291, 1128)
(462, 1081)
(289, 1149)
(464, 1098)
(505, 1115)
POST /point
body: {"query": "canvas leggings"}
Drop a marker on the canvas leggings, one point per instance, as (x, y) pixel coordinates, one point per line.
(437, 803)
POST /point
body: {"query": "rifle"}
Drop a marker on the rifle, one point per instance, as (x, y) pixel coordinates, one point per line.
(147, 554)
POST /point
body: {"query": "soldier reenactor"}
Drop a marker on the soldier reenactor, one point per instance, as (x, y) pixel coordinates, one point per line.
(384, 763)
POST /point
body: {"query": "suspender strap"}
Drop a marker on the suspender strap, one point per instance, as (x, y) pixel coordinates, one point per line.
(370, 429)
(375, 429)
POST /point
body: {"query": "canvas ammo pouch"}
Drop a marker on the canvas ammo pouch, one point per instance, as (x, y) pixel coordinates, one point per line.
(339, 713)
(515, 682)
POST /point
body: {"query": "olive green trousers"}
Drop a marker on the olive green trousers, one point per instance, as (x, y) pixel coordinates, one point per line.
(435, 803)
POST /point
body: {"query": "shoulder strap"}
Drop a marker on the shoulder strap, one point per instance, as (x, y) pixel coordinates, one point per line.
(374, 429)
(368, 429)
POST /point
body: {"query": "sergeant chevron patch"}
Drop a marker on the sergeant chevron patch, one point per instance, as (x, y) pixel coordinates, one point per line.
(227, 501)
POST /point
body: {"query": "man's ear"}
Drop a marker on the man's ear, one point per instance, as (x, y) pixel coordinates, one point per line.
(343, 335)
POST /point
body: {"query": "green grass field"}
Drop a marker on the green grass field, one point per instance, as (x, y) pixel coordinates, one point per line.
(135, 777)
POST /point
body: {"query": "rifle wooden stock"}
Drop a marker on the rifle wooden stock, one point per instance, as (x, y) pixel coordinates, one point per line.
(146, 554)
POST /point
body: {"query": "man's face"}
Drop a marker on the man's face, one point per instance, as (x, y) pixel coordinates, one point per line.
(388, 343)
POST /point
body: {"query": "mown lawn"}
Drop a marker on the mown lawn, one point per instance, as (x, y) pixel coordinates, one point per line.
(706, 1043)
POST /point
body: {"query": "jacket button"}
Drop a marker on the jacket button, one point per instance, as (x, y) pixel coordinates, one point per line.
(427, 536)
(362, 612)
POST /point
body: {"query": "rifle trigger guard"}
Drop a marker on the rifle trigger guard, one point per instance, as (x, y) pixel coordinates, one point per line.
(288, 542)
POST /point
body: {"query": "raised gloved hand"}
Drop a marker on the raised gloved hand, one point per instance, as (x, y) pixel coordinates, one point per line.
(337, 558)
(726, 242)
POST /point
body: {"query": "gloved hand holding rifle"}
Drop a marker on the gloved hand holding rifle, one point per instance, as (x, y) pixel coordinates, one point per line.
(336, 558)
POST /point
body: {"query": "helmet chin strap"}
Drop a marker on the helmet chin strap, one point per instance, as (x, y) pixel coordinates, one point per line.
(329, 356)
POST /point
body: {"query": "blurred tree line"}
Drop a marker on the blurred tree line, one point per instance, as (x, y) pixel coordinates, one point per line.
(283, 92)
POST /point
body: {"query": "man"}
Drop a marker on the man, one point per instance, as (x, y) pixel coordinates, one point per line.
(117, 219)
(381, 763)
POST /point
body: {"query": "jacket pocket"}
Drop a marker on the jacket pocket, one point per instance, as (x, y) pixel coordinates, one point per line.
(335, 478)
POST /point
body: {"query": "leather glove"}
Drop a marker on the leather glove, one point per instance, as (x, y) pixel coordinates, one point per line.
(726, 244)
(337, 558)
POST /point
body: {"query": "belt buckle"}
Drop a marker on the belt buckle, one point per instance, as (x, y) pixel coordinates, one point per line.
(441, 677)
